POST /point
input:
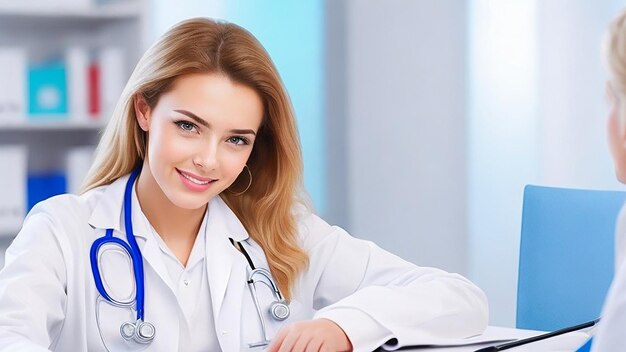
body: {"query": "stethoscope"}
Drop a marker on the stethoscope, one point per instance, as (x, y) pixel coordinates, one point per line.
(143, 332)
(279, 309)
(140, 331)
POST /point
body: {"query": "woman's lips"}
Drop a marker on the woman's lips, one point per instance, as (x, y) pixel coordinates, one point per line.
(195, 182)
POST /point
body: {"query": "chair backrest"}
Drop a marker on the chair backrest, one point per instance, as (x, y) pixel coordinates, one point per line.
(566, 258)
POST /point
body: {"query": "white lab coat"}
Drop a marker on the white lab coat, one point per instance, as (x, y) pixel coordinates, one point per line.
(48, 299)
(620, 238)
(610, 334)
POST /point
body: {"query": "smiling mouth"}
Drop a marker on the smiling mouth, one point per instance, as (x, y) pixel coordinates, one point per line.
(195, 180)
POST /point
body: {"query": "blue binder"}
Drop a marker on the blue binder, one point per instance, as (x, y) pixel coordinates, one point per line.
(44, 186)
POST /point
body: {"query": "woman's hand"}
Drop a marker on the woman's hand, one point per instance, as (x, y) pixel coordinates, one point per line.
(311, 335)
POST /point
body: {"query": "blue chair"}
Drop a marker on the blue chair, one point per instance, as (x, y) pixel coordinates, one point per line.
(586, 347)
(566, 255)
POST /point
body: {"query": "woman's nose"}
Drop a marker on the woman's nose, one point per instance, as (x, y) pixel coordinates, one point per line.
(207, 157)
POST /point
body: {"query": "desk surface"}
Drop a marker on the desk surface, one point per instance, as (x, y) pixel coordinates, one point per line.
(562, 343)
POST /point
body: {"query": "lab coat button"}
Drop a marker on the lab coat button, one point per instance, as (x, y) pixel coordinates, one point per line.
(224, 332)
(186, 282)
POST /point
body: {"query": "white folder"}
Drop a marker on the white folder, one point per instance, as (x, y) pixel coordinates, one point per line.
(13, 189)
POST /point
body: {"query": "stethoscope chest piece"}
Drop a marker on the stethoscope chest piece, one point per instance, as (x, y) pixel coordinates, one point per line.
(279, 311)
(140, 331)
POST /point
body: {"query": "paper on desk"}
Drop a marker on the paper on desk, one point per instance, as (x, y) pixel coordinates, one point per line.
(495, 335)
(491, 335)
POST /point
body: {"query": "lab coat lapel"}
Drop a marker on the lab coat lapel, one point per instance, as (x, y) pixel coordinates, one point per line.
(226, 270)
(229, 318)
(108, 213)
(152, 255)
(150, 249)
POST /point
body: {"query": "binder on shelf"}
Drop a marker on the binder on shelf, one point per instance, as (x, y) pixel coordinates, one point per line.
(78, 162)
(94, 90)
(113, 78)
(13, 190)
(13, 68)
(47, 91)
(77, 61)
(43, 185)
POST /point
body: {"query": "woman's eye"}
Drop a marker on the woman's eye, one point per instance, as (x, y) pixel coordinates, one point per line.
(238, 140)
(186, 126)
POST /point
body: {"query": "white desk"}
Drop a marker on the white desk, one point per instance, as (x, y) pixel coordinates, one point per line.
(562, 343)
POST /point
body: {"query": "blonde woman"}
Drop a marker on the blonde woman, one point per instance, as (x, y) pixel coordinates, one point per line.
(193, 233)
(610, 335)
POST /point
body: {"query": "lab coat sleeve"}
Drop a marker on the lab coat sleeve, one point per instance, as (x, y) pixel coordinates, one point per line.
(379, 299)
(610, 334)
(620, 238)
(32, 288)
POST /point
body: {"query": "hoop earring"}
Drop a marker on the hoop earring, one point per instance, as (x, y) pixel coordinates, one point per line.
(249, 184)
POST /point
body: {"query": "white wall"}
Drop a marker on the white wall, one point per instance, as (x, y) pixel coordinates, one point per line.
(501, 142)
(572, 108)
(405, 128)
(166, 13)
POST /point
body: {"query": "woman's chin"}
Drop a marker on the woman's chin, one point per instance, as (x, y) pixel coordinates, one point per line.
(190, 202)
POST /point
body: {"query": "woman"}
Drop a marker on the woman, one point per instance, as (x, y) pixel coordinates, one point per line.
(193, 234)
(610, 335)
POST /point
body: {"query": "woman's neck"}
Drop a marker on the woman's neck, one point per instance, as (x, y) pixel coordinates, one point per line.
(177, 227)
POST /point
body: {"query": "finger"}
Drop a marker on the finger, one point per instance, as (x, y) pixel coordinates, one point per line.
(303, 341)
(290, 340)
(314, 345)
(277, 341)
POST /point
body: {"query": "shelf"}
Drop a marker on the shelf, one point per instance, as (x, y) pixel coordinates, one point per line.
(59, 125)
(11, 9)
(45, 30)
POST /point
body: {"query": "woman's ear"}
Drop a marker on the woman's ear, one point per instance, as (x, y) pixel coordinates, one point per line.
(142, 112)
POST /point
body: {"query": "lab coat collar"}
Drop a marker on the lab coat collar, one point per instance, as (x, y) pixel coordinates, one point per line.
(226, 271)
(221, 255)
(222, 219)
(108, 212)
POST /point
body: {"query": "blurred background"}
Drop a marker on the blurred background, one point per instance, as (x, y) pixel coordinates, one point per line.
(421, 120)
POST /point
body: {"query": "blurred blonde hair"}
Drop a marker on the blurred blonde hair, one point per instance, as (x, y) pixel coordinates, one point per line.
(615, 50)
(266, 208)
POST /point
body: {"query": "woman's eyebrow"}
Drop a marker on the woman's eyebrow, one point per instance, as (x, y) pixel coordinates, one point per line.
(194, 117)
(236, 131)
(204, 123)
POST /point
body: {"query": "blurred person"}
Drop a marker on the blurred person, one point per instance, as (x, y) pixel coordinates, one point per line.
(193, 231)
(610, 334)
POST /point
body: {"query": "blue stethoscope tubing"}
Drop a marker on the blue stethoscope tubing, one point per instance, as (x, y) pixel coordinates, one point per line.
(131, 247)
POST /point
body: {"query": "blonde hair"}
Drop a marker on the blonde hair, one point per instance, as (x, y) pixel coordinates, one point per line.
(615, 49)
(266, 208)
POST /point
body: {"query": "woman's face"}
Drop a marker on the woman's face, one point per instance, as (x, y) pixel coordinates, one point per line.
(200, 135)
(616, 133)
